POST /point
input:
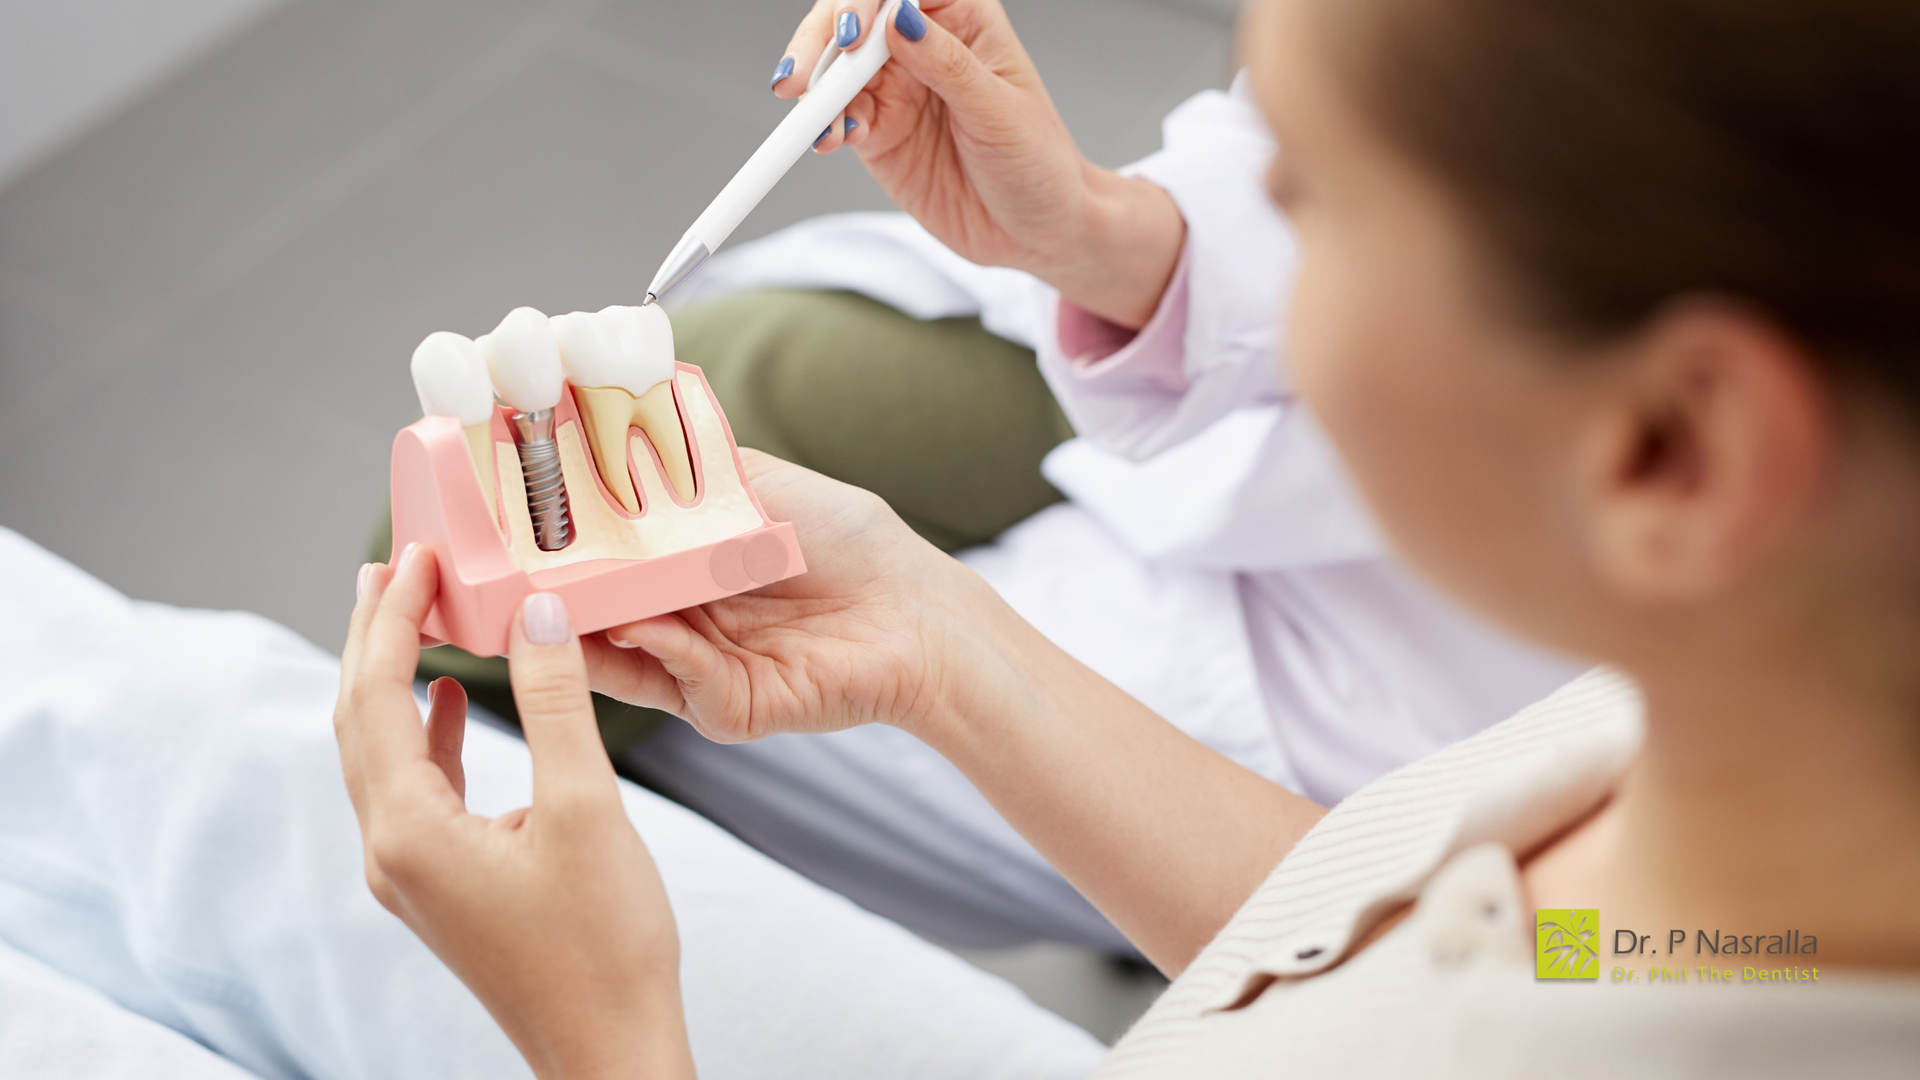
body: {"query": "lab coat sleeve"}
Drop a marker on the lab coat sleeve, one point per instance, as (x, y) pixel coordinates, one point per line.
(1194, 448)
(1226, 296)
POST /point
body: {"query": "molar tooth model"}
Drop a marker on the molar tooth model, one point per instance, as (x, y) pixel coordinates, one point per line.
(608, 476)
(620, 362)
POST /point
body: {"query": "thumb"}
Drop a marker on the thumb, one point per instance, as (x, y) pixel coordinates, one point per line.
(549, 676)
(944, 64)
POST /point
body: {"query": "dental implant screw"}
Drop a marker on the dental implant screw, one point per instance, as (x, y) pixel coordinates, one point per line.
(546, 487)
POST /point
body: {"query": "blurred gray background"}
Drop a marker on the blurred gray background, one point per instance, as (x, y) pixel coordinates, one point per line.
(224, 224)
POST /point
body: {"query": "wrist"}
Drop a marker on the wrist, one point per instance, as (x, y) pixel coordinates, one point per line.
(645, 1037)
(1127, 244)
(978, 649)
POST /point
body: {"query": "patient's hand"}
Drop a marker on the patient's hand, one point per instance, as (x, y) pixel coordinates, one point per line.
(553, 914)
(863, 636)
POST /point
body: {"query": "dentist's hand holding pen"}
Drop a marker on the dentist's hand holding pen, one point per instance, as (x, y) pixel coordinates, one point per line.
(959, 130)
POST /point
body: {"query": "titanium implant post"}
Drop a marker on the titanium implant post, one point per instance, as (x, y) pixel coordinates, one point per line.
(546, 488)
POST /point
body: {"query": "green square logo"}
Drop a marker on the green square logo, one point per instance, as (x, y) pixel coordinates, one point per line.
(1566, 943)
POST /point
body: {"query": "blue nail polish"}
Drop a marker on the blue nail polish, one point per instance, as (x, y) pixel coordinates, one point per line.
(781, 70)
(911, 24)
(846, 29)
(822, 135)
(851, 124)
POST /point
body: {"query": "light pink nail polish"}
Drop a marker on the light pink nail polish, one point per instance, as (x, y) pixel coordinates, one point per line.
(544, 617)
(360, 582)
(406, 556)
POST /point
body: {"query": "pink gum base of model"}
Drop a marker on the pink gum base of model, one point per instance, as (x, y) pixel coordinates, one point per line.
(437, 502)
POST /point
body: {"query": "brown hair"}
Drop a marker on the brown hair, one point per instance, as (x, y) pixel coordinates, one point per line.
(1618, 153)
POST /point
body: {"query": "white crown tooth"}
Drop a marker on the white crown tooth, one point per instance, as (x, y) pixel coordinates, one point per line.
(657, 332)
(646, 340)
(451, 378)
(524, 359)
(589, 354)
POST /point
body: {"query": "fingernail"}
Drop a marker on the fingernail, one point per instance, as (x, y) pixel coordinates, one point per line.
(781, 70)
(911, 24)
(544, 617)
(360, 582)
(822, 135)
(851, 124)
(406, 556)
(846, 29)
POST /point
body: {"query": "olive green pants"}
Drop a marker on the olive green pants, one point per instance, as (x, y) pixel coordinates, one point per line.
(945, 421)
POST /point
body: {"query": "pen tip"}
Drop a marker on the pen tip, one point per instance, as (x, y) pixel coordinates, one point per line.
(650, 299)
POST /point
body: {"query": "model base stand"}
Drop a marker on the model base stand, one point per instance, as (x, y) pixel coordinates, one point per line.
(459, 491)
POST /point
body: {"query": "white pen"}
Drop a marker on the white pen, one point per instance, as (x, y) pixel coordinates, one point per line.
(828, 94)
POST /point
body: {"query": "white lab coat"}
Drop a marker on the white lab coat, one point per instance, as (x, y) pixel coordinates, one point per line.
(1212, 559)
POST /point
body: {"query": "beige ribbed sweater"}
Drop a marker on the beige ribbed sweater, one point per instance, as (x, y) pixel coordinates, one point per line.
(1450, 990)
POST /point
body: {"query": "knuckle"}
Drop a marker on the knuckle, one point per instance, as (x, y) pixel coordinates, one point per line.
(394, 852)
(362, 695)
(873, 512)
(953, 65)
(875, 505)
(382, 888)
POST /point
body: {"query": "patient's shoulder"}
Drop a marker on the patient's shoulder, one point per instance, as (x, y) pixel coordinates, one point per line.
(1564, 749)
(1520, 779)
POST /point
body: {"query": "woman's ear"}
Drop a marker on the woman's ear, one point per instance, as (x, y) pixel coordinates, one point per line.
(1708, 451)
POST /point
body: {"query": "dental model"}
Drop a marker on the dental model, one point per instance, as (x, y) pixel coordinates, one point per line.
(608, 476)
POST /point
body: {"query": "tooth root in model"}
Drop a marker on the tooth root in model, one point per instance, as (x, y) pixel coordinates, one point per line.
(524, 360)
(620, 362)
(451, 378)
